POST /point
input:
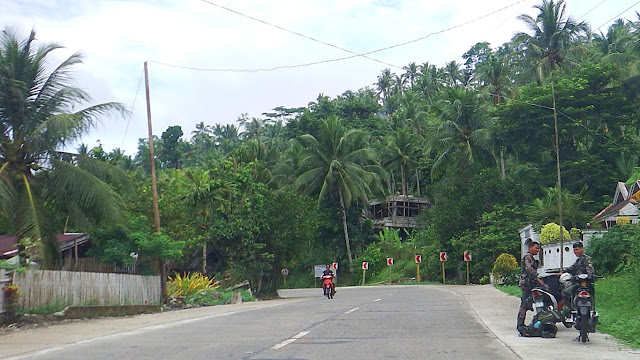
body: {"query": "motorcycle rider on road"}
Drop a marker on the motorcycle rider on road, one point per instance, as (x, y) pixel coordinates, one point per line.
(328, 271)
(528, 280)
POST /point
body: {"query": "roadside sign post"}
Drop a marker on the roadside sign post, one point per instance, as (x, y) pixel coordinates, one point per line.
(365, 267)
(334, 266)
(389, 264)
(284, 273)
(467, 259)
(418, 261)
(443, 258)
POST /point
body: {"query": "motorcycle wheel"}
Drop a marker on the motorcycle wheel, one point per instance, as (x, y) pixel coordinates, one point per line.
(584, 328)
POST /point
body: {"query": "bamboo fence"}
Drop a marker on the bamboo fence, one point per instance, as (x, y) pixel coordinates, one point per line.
(39, 288)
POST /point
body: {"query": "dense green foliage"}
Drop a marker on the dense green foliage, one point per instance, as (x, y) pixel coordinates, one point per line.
(287, 190)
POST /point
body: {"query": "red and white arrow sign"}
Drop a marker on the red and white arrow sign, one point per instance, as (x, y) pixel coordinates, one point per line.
(334, 266)
(443, 256)
(365, 265)
(467, 256)
(418, 259)
(389, 261)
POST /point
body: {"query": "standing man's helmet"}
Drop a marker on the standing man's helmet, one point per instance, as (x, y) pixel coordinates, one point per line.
(565, 277)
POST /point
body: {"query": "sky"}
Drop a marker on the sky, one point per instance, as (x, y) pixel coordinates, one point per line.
(177, 36)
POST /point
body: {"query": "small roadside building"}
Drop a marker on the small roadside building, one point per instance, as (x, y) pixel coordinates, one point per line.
(396, 212)
(72, 247)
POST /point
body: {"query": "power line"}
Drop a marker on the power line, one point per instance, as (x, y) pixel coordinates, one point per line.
(615, 17)
(539, 106)
(132, 107)
(296, 33)
(593, 8)
(346, 57)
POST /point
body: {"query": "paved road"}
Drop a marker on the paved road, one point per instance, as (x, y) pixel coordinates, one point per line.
(386, 322)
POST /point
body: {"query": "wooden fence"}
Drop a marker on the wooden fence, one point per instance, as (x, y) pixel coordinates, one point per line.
(47, 287)
(4, 280)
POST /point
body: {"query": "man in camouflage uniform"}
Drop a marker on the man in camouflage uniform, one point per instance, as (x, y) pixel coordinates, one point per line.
(528, 280)
(583, 265)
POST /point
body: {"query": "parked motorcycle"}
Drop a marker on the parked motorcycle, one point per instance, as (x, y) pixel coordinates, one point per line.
(582, 304)
(328, 286)
(549, 306)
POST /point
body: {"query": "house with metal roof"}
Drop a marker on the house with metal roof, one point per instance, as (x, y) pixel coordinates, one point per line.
(72, 245)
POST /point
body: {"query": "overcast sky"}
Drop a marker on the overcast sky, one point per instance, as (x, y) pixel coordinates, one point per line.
(117, 37)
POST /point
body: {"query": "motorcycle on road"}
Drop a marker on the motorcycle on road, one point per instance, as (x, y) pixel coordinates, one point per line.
(327, 285)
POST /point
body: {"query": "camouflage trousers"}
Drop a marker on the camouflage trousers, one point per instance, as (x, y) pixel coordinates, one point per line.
(526, 303)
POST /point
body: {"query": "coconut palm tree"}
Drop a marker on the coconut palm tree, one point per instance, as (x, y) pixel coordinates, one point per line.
(462, 130)
(553, 36)
(494, 73)
(411, 74)
(37, 120)
(453, 72)
(403, 150)
(339, 165)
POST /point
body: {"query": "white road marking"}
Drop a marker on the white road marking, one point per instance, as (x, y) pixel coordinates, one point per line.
(376, 300)
(352, 310)
(289, 341)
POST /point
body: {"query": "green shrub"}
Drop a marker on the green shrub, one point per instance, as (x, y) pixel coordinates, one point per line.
(551, 233)
(618, 250)
(190, 284)
(504, 265)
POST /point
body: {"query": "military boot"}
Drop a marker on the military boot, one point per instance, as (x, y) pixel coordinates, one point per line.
(522, 329)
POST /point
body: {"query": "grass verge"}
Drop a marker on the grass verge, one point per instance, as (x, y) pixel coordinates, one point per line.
(619, 309)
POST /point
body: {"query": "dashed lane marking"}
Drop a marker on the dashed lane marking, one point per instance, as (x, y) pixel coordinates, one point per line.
(289, 341)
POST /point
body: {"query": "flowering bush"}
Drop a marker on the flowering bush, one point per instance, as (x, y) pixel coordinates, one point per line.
(190, 284)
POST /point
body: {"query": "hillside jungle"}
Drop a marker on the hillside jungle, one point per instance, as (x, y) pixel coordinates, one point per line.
(287, 189)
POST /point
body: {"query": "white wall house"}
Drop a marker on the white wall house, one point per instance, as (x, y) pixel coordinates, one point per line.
(549, 256)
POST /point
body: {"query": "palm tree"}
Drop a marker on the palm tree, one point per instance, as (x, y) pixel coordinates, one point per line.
(209, 198)
(36, 121)
(403, 151)
(201, 128)
(339, 165)
(454, 74)
(385, 84)
(554, 35)
(463, 129)
(430, 80)
(411, 74)
(494, 73)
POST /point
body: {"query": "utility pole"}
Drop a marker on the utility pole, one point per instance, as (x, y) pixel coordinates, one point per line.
(154, 185)
(555, 126)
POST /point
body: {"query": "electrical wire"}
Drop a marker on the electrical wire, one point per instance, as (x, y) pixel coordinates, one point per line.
(346, 57)
(132, 107)
(615, 17)
(536, 105)
(297, 33)
(593, 8)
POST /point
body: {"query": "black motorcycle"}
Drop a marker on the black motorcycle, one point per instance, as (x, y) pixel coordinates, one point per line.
(549, 306)
(583, 305)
